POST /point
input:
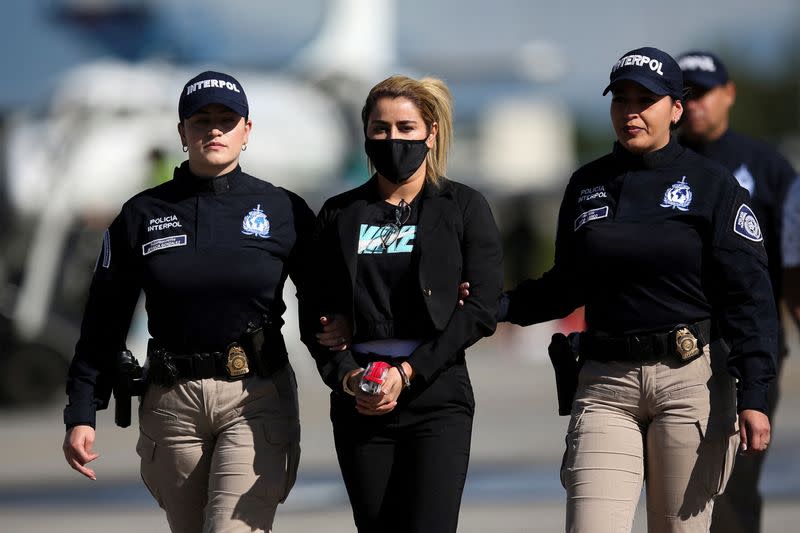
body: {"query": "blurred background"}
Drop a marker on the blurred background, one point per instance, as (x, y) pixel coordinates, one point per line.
(88, 109)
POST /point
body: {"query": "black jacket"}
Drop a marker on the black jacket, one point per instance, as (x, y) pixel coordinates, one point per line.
(211, 255)
(766, 175)
(457, 240)
(649, 242)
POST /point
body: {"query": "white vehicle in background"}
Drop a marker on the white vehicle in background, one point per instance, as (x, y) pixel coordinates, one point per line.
(109, 131)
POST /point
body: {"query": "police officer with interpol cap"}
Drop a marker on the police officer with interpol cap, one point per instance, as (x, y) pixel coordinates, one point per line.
(767, 176)
(663, 248)
(211, 249)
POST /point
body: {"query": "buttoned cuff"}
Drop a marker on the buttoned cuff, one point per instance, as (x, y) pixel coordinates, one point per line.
(754, 399)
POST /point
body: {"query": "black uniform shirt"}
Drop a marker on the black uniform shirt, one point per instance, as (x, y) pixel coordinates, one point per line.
(649, 242)
(211, 254)
(766, 175)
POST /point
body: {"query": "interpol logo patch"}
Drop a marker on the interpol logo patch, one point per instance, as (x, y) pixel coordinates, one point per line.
(746, 224)
(256, 223)
(592, 214)
(166, 242)
(678, 196)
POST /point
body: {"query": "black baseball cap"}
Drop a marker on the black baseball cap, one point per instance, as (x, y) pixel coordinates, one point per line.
(211, 87)
(651, 68)
(703, 69)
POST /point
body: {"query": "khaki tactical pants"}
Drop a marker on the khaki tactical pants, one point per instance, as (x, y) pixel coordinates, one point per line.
(669, 425)
(219, 456)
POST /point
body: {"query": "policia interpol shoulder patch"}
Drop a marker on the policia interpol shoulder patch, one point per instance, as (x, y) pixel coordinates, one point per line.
(745, 224)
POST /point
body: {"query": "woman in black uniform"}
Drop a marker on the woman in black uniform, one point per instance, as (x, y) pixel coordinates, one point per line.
(395, 249)
(219, 431)
(664, 251)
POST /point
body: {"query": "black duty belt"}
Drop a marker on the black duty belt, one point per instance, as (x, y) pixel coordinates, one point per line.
(684, 341)
(166, 367)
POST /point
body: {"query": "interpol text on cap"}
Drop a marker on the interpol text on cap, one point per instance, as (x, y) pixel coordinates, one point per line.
(211, 87)
(703, 69)
(650, 67)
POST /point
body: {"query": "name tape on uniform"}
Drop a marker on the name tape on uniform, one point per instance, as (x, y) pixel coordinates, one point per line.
(592, 214)
(166, 242)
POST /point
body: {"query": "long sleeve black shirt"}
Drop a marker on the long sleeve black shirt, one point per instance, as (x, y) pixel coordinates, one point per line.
(767, 176)
(647, 242)
(211, 255)
(455, 239)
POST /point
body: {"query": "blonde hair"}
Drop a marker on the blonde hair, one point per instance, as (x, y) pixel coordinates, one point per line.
(435, 103)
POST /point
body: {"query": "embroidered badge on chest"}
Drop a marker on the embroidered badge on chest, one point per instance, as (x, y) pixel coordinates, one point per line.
(746, 224)
(256, 223)
(678, 196)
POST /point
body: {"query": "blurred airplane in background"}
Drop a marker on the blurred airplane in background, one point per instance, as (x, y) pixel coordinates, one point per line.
(109, 131)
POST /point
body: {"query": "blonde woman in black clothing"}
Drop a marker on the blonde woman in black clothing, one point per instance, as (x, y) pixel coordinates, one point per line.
(395, 249)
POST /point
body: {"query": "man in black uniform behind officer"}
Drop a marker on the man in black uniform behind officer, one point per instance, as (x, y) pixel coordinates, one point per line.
(767, 176)
(212, 248)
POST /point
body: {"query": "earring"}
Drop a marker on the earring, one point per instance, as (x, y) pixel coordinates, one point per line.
(244, 147)
(185, 148)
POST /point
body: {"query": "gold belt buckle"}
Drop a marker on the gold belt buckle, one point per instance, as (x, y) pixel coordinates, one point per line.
(687, 344)
(237, 364)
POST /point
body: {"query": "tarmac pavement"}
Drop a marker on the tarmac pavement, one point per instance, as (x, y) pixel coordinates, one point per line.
(512, 485)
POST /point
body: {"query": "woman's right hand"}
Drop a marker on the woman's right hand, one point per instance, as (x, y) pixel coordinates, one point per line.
(337, 332)
(754, 430)
(374, 404)
(77, 448)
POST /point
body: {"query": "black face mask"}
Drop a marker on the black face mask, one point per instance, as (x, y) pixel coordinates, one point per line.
(396, 159)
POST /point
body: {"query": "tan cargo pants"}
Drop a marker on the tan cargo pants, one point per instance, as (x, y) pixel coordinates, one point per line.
(219, 456)
(669, 425)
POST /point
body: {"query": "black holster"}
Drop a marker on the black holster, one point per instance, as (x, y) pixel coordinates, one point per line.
(265, 347)
(128, 382)
(161, 368)
(564, 357)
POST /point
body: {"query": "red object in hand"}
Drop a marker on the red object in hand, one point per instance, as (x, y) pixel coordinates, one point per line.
(374, 376)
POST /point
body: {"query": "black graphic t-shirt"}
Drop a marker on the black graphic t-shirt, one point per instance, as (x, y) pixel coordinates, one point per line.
(387, 284)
